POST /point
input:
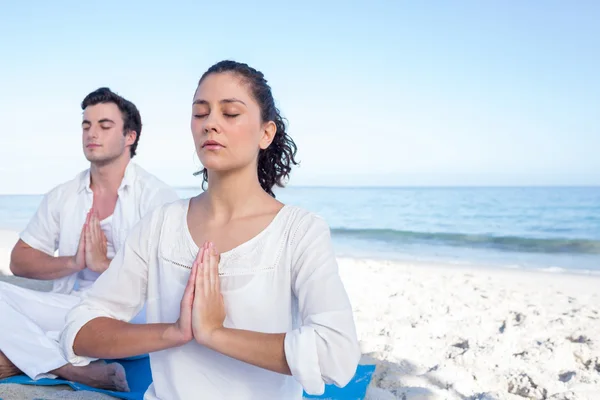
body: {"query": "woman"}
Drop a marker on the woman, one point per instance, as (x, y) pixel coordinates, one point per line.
(265, 318)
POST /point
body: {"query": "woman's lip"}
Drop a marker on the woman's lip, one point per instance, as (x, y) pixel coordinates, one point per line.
(212, 146)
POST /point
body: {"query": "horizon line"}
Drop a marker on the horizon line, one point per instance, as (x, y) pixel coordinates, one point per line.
(276, 189)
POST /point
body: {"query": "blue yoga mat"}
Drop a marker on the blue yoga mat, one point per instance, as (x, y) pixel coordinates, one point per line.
(136, 370)
(356, 389)
(139, 378)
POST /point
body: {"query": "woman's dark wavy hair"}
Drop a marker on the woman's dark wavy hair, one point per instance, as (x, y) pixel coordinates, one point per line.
(275, 162)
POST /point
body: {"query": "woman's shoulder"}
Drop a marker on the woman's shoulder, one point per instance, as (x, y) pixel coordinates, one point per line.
(301, 221)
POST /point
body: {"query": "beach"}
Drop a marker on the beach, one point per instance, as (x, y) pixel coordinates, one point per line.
(441, 331)
(446, 332)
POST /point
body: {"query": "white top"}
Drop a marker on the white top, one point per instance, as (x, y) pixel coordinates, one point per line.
(87, 277)
(61, 214)
(284, 280)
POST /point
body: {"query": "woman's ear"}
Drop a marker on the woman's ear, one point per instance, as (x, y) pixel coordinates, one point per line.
(268, 134)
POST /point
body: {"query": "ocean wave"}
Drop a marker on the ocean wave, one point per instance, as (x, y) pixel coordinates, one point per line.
(504, 243)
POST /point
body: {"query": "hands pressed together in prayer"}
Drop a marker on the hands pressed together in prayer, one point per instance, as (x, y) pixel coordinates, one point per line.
(202, 315)
(202, 309)
(91, 252)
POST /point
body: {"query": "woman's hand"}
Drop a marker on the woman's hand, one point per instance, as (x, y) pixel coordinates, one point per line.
(181, 331)
(208, 311)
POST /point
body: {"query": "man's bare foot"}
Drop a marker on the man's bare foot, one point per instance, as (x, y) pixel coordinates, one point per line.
(7, 368)
(97, 374)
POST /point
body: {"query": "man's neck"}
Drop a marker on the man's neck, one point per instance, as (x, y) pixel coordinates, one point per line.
(107, 178)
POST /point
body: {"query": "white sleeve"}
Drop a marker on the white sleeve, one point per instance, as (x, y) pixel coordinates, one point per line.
(325, 349)
(119, 292)
(42, 231)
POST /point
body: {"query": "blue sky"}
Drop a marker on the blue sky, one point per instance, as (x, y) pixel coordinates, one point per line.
(376, 93)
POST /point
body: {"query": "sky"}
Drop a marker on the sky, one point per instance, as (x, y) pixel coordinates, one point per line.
(383, 93)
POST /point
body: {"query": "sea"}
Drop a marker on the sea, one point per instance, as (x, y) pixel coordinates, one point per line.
(556, 229)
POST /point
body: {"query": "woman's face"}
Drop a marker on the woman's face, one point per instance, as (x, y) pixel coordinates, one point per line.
(226, 123)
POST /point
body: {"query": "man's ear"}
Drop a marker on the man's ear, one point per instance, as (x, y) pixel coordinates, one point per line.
(130, 137)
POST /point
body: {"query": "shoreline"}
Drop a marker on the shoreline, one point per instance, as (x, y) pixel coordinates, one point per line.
(9, 237)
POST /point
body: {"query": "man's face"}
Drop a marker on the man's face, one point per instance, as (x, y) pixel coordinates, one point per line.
(102, 134)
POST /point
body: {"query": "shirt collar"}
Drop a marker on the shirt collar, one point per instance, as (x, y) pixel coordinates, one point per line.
(128, 179)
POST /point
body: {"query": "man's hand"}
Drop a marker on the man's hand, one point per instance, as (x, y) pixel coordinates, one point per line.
(95, 245)
(78, 260)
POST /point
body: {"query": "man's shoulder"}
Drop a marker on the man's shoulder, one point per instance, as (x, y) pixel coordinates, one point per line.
(148, 181)
(167, 214)
(68, 188)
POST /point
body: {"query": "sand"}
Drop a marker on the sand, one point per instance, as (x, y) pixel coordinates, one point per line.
(447, 332)
(442, 332)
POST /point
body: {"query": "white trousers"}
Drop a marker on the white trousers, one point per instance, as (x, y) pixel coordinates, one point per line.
(31, 325)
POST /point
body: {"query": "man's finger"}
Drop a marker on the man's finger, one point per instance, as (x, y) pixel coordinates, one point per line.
(88, 234)
(95, 226)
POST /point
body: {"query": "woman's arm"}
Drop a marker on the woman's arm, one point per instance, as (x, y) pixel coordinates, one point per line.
(264, 350)
(324, 349)
(110, 338)
(98, 327)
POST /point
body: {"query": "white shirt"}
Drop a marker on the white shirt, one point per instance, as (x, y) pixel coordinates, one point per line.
(59, 219)
(284, 280)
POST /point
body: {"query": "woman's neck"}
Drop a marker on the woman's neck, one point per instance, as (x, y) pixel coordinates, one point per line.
(234, 194)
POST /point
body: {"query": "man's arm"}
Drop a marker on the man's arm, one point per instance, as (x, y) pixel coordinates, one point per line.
(27, 262)
(33, 255)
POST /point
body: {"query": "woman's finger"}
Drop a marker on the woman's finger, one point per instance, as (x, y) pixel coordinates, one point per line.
(204, 248)
(214, 271)
(191, 283)
(199, 284)
(198, 258)
(207, 266)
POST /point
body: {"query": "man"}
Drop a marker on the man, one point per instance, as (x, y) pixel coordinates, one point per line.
(87, 220)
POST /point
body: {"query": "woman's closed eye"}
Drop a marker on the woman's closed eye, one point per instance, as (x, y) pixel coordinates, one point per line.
(227, 115)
